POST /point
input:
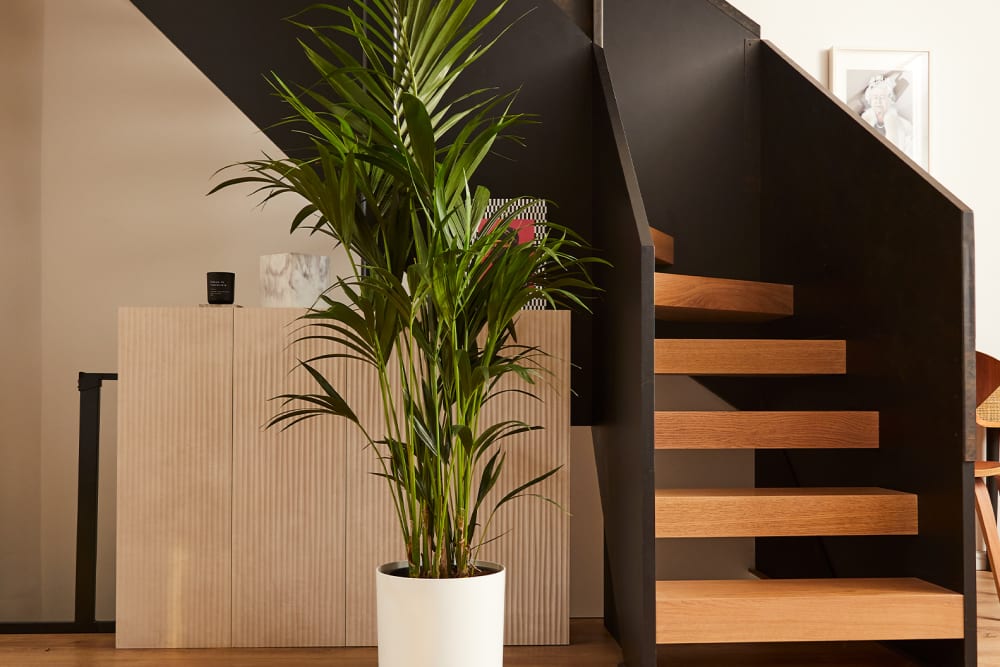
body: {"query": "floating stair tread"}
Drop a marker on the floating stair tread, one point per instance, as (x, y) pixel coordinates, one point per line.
(790, 610)
(702, 356)
(766, 430)
(784, 512)
(681, 298)
(663, 246)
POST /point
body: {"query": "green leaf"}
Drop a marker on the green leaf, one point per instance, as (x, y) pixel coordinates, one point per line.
(390, 158)
(527, 485)
(421, 135)
(337, 403)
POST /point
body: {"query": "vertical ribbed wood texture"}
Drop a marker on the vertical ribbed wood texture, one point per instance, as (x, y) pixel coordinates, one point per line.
(288, 492)
(230, 534)
(535, 543)
(535, 551)
(372, 529)
(174, 482)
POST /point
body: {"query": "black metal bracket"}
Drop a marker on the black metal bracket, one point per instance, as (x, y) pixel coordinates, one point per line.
(84, 616)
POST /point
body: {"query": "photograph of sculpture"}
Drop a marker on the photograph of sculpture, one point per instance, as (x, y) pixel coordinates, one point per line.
(889, 91)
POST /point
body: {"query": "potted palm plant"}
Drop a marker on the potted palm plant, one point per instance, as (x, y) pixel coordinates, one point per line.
(431, 302)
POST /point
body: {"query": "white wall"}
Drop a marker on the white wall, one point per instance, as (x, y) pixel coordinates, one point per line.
(964, 142)
(20, 312)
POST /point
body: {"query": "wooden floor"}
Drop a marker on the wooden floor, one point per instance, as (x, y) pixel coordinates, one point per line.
(989, 621)
(591, 647)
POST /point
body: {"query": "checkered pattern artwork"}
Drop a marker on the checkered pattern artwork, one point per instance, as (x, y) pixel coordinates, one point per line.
(530, 228)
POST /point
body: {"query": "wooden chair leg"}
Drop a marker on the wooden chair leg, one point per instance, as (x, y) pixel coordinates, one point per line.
(984, 509)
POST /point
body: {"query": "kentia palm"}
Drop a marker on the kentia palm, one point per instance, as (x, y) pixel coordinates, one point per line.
(434, 291)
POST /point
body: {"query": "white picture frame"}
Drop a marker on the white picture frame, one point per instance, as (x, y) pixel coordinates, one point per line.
(890, 90)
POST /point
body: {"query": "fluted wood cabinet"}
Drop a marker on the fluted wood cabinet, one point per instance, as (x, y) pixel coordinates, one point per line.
(230, 534)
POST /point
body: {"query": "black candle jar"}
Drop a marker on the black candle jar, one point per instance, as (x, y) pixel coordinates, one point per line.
(221, 287)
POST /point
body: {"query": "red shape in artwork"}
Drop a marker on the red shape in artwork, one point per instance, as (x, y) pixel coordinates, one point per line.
(524, 228)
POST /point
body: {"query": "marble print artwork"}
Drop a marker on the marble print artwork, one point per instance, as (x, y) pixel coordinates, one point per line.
(291, 280)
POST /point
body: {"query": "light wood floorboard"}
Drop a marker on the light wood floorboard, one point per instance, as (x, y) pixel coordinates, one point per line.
(989, 621)
(590, 647)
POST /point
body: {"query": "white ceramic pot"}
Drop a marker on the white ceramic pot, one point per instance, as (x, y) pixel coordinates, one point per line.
(440, 622)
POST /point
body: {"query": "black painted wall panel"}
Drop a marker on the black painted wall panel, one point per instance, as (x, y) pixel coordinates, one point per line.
(549, 60)
(235, 44)
(881, 256)
(686, 99)
(581, 12)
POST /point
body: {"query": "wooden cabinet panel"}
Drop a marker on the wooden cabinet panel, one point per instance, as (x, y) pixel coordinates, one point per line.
(288, 494)
(233, 534)
(535, 551)
(174, 483)
(372, 529)
(535, 543)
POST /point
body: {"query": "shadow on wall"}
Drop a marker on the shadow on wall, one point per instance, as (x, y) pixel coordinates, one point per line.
(716, 558)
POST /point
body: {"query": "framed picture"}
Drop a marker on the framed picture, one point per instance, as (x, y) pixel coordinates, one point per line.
(890, 91)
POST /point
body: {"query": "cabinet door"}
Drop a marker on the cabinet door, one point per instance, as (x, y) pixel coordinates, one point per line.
(372, 527)
(288, 493)
(535, 544)
(535, 551)
(174, 481)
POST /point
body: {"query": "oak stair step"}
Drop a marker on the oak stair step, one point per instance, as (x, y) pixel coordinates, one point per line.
(766, 430)
(701, 356)
(680, 298)
(784, 512)
(663, 246)
(794, 610)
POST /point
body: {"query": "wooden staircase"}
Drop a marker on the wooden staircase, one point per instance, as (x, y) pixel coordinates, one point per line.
(776, 610)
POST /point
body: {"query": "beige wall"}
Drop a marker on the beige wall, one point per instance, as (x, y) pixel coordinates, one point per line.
(132, 135)
(586, 529)
(720, 558)
(20, 312)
